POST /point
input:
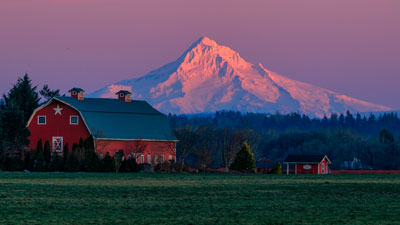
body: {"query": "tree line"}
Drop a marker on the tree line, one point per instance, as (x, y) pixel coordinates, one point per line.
(351, 142)
(213, 140)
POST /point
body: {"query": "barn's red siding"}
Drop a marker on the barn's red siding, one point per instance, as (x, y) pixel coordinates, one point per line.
(325, 164)
(301, 170)
(315, 168)
(152, 148)
(57, 126)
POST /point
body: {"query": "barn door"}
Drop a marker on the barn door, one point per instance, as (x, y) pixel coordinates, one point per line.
(57, 144)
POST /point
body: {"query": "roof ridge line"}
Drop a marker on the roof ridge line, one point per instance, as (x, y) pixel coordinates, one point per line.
(158, 114)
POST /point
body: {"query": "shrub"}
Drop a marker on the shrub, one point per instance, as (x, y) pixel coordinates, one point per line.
(129, 166)
(13, 164)
(166, 167)
(56, 163)
(118, 157)
(47, 154)
(72, 163)
(244, 160)
(107, 164)
(39, 164)
(91, 162)
(277, 169)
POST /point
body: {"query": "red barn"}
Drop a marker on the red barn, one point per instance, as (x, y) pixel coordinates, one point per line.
(115, 124)
(307, 164)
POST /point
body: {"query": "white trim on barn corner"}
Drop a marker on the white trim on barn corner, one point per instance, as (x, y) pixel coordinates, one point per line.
(41, 123)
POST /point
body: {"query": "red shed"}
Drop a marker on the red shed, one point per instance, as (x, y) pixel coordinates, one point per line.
(308, 164)
(120, 123)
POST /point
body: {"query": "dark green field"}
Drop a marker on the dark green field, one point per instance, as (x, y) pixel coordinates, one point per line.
(87, 198)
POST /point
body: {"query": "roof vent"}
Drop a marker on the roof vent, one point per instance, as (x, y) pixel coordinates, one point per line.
(77, 93)
(124, 95)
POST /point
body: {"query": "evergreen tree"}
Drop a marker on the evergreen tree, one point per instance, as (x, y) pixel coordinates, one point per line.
(65, 156)
(244, 160)
(107, 163)
(385, 137)
(15, 134)
(47, 154)
(72, 163)
(48, 94)
(15, 109)
(1, 133)
(92, 162)
(277, 169)
(129, 166)
(39, 164)
(23, 96)
(56, 163)
(118, 157)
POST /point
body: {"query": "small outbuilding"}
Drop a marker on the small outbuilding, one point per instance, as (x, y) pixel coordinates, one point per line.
(307, 164)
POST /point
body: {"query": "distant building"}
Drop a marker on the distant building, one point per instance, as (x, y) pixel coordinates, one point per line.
(352, 164)
(264, 165)
(115, 124)
(307, 164)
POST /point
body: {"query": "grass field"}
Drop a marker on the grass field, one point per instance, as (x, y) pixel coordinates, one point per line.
(87, 198)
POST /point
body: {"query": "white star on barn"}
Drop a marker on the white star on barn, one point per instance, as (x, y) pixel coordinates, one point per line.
(58, 110)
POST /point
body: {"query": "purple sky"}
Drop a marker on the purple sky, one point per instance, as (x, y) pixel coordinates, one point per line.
(347, 46)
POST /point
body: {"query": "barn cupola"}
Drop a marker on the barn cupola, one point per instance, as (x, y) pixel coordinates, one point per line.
(124, 95)
(77, 93)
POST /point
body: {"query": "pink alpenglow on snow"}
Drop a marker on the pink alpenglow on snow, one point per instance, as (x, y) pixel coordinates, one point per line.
(209, 77)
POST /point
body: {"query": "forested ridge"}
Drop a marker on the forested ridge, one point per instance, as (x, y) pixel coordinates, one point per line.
(350, 141)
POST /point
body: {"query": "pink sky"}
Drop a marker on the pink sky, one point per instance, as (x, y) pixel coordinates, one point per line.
(347, 46)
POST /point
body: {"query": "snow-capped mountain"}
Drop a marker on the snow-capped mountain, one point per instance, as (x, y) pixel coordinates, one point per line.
(210, 77)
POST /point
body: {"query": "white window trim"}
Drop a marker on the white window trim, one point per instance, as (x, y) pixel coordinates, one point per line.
(170, 157)
(45, 120)
(70, 120)
(149, 159)
(121, 94)
(74, 93)
(141, 158)
(162, 158)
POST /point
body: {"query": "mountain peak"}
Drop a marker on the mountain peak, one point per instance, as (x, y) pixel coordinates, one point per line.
(206, 41)
(210, 77)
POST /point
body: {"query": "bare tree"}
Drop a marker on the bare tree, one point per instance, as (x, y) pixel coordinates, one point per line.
(137, 147)
(204, 149)
(230, 146)
(185, 145)
(100, 146)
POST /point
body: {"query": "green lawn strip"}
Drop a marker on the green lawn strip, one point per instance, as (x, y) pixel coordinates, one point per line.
(84, 198)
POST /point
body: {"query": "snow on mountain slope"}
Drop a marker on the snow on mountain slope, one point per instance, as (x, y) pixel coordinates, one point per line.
(209, 77)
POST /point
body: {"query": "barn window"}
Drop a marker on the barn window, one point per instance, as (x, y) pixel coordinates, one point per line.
(156, 159)
(170, 157)
(121, 94)
(41, 120)
(162, 158)
(73, 120)
(141, 158)
(149, 159)
(323, 168)
(74, 93)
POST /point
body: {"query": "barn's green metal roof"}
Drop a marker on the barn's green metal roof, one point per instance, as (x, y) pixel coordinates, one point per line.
(117, 119)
